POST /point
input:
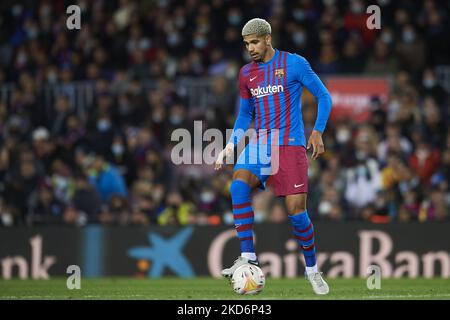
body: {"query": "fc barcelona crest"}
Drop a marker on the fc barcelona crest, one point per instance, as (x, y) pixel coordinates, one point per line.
(279, 73)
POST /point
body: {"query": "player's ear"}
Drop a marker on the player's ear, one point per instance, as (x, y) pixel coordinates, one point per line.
(268, 39)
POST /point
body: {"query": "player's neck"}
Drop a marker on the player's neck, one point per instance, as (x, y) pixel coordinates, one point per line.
(269, 55)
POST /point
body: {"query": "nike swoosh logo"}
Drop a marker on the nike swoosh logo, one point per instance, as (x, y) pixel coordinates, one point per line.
(298, 186)
(251, 79)
(264, 95)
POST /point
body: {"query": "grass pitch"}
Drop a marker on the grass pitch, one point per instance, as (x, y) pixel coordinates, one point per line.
(219, 289)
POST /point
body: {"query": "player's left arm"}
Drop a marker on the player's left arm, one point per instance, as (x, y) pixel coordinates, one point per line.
(313, 83)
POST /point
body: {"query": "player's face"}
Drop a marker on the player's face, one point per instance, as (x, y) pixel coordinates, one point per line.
(256, 46)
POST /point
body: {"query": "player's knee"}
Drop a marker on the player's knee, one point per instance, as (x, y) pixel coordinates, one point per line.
(296, 209)
(301, 208)
(239, 188)
(296, 205)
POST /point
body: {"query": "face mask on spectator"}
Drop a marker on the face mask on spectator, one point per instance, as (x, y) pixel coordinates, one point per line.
(325, 207)
(60, 182)
(234, 19)
(200, 42)
(343, 136)
(117, 148)
(422, 154)
(173, 39)
(180, 22)
(356, 7)
(207, 197)
(361, 171)
(299, 14)
(162, 3)
(386, 38)
(157, 117)
(16, 10)
(158, 195)
(429, 83)
(228, 218)
(394, 105)
(52, 77)
(299, 38)
(409, 36)
(7, 219)
(103, 125)
(360, 155)
(176, 119)
(32, 32)
(383, 2)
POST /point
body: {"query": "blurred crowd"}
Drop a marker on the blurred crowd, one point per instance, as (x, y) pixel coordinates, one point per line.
(111, 164)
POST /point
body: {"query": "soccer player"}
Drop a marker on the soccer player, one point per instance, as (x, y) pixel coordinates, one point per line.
(270, 89)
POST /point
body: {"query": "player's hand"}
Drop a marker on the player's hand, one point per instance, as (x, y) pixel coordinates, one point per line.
(225, 153)
(315, 140)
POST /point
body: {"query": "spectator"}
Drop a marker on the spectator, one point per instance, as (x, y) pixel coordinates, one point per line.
(62, 112)
(330, 206)
(104, 177)
(381, 61)
(118, 88)
(20, 185)
(435, 208)
(44, 207)
(394, 143)
(424, 162)
(411, 50)
(116, 212)
(121, 158)
(431, 88)
(352, 60)
(7, 215)
(433, 123)
(177, 211)
(85, 198)
(363, 178)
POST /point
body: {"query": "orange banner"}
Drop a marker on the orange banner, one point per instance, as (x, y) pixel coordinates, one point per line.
(351, 96)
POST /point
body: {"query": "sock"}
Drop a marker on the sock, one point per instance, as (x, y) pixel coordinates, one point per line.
(243, 215)
(304, 233)
(249, 255)
(312, 269)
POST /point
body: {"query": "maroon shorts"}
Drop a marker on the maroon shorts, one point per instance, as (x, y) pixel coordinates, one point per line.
(291, 174)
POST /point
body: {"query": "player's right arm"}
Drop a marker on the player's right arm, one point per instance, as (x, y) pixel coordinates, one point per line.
(311, 81)
(243, 120)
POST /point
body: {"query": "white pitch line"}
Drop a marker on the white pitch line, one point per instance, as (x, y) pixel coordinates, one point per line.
(63, 298)
(265, 298)
(409, 296)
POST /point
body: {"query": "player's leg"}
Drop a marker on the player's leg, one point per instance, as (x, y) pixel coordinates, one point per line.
(291, 181)
(303, 228)
(251, 171)
(243, 183)
(304, 233)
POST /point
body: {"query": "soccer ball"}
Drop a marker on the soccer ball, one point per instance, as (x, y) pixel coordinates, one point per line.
(248, 279)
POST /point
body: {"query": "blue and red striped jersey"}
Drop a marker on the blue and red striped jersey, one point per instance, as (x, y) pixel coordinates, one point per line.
(270, 94)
